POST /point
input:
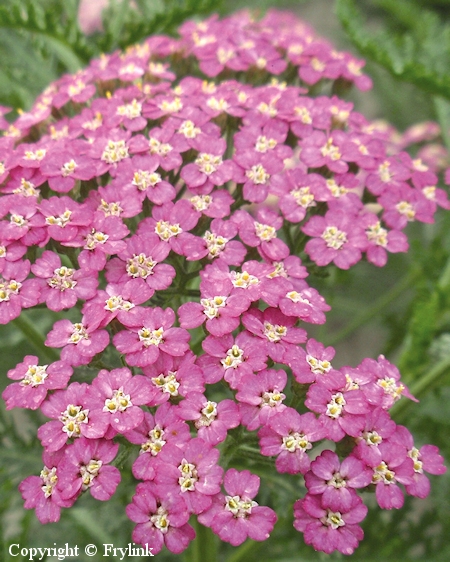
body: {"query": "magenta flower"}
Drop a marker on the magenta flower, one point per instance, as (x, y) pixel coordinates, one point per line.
(261, 397)
(62, 286)
(217, 307)
(277, 331)
(209, 169)
(41, 492)
(34, 382)
(378, 428)
(336, 481)
(103, 238)
(327, 530)
(341, 412)
(304, 302)
(236, 516)
(403, 204)
(143, 258)
(262, 232)
(140, 177)
(149, 334)
(174, 376)
(391, 173)
(22, 222)
(71, 417)
(64, 165)
(381, 240)
(161, 143)
(80, 341)
(114, 200)
(64, 217)
(289, 436)
(298, 192)
(231, 358)
(161, 517)
(192, 471)
(153, 434)
(117, 301)
(171, 222)
(16, 291)
(85, 467)
(215, 205)
(216, 243)
(387, 377)
(333, 151)
(211, 419)
(426, 459)
(336, 238)
(255, 172)
(114, 398)
(397, 467)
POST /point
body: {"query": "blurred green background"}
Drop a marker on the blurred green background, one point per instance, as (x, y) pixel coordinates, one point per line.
(402, 310)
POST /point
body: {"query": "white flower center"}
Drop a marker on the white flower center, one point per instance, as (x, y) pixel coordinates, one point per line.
(8, 288)
(165, 230)
(239, 507)
(295, 441)
(201, 202)
(382, 474)
(140, 266)
(189, 130)
(114, 152)
(130, 110)
(151, 337)
(303, 197)
(189, 476)
(377, 234)
(155, 441)
(49, 479)
(60, 220)
(334, 238)
(35, 375)
(265, 232)
(318, 366)
(71, 419)
(62, 279)
(143, 179)
(233, 358)
(88, 472)
(208, 163)
(212, 306)
(94, 239)
(274, 332)
(258, 175)
(243, 280)
(336, 405)
(118, 402)
(167, 383)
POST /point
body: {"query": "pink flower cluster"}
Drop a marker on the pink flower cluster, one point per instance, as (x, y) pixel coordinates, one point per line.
(159, 206)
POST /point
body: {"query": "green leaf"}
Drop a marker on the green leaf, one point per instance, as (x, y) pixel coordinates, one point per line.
(419, 54)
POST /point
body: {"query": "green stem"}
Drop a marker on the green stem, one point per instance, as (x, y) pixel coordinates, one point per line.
(204, 547)
(35, 337)
(442, 108)
(372, 311)
(422, 385)
(243, 551)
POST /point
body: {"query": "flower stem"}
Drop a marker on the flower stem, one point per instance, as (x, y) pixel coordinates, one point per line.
(243, 551)
(378, 306)
(35, 337)
(204, 546)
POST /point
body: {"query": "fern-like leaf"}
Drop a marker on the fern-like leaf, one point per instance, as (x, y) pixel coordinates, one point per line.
(420, 54)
